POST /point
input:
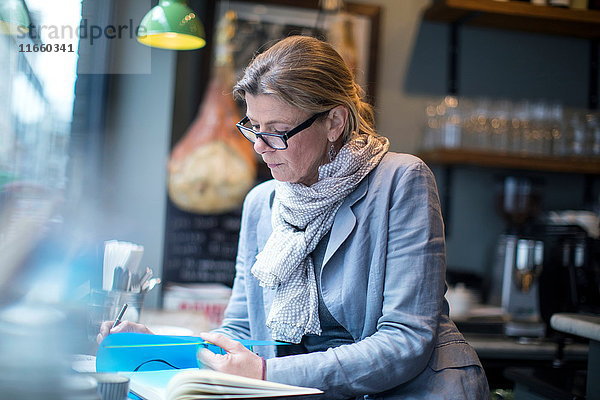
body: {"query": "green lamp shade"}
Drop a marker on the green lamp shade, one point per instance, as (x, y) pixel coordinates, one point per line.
(171, 25)
(14, 18)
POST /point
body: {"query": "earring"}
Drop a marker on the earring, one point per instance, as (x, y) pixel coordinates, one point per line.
(331, 153)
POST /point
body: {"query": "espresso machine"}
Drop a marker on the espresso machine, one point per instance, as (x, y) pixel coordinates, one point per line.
(570, 279)
(519, 258)
(540, 268)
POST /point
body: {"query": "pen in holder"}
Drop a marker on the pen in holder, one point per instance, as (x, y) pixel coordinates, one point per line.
(124, 281)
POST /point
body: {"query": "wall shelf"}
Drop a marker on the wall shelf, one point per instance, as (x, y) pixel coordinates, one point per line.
(515, 15)
(450, 157)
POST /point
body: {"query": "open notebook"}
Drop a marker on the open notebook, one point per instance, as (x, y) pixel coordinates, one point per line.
(197, 384)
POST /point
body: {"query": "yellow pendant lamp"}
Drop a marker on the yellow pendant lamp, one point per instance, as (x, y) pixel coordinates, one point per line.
(14, 17)
(172, 25)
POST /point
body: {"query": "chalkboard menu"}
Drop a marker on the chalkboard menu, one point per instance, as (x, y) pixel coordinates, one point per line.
(200, 248)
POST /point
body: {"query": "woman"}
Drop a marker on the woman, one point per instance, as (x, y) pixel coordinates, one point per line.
(342, 254)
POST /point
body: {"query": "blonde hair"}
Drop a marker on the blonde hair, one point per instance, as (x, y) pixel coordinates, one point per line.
(308, 73)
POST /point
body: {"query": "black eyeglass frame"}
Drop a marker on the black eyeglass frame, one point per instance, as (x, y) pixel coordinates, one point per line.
(283, 136)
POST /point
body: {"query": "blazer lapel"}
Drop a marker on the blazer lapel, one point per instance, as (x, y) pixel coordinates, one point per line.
(344, 220)
(264, 226)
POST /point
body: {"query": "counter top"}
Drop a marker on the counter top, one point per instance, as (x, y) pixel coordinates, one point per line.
(494, 346)
(587, 326)
(503, 347)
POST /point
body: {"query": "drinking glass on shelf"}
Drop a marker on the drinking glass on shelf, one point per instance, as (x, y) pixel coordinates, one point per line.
(519, 127)
(537, 137)
(558, 135)
(431, 132)
(480, 137)
(593, 133)
(451, 119)
(499, 120)
(577, 134)
(469, 136)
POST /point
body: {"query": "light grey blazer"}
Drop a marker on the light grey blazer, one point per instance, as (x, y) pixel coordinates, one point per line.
(383, 279)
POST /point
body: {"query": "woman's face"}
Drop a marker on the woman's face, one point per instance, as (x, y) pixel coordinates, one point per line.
(307, 150)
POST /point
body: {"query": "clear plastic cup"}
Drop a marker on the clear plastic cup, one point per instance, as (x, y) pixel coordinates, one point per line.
(105, 306)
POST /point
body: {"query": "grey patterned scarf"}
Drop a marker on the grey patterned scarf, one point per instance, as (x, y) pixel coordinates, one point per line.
(301, 216)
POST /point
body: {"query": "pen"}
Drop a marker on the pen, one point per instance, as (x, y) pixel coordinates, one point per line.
(118, 319)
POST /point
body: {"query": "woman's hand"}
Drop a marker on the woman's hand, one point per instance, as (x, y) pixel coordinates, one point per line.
(124, 326)
(238, 360)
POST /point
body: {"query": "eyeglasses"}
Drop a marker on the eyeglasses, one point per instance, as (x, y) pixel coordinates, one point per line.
(277, 141)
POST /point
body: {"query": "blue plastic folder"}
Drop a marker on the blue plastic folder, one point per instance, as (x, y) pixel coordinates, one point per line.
(144, 352)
